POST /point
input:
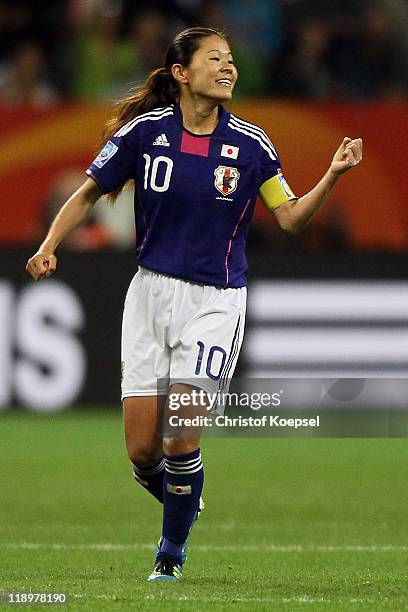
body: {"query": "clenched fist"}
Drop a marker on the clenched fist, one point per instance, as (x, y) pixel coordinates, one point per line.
(41, 265)
(348, 155)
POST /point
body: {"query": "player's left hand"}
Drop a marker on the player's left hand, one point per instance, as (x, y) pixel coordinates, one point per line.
(348, 155)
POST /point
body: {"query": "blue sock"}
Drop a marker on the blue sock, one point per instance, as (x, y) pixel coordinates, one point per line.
(151, 478)
(182, 485)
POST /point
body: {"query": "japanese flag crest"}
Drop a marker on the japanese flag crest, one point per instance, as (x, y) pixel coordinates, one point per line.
(226, 179)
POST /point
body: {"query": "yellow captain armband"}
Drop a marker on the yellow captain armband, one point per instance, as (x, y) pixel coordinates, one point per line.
(275, 191)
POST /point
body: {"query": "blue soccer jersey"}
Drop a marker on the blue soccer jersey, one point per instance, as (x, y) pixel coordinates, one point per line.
(195, 195)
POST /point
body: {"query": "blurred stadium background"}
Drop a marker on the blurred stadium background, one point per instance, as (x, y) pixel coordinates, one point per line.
(333, 301)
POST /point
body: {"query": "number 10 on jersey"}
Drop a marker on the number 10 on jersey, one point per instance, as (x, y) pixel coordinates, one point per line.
(152, 169)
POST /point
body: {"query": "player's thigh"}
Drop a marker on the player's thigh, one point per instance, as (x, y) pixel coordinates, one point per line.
(142, 427)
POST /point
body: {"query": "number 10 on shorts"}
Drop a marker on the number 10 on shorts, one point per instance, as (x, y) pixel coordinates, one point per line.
(214, 359)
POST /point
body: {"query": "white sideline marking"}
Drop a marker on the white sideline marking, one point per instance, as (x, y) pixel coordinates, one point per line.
(214, 599)
(278, 548)
(228, 526)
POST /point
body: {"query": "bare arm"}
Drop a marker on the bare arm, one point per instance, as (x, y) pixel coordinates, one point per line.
(74, 211)
(293, 216)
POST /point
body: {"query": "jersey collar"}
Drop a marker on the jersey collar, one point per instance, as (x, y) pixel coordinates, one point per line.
(222, 121)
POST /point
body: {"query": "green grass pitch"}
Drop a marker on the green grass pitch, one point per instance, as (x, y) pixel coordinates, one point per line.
(289, 524)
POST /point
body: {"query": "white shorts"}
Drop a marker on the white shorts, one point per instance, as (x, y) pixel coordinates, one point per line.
(177, 331)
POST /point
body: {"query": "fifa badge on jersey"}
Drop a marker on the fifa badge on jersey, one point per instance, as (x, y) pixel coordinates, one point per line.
(229, 151)
(107, 152)
(226, 179)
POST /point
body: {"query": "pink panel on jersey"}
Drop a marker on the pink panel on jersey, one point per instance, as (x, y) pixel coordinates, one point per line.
(196, 145)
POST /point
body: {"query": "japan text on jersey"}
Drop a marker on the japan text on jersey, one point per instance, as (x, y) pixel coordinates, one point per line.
(195, 195)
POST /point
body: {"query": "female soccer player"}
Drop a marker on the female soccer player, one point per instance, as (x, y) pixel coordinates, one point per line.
(197, 170)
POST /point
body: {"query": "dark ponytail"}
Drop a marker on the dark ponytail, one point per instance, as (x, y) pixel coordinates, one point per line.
(160, 87)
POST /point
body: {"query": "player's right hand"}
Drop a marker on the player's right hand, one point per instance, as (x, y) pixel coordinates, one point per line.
(41, 265)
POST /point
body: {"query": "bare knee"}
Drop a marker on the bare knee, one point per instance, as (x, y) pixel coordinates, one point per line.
(179, 446)
(144, 455)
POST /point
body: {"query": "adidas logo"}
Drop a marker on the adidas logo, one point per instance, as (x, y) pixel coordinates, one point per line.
(162, 140)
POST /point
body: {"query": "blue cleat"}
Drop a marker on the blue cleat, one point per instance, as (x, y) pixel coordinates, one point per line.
(165, 569)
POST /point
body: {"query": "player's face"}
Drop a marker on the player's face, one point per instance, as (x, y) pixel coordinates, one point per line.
(212, 73)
